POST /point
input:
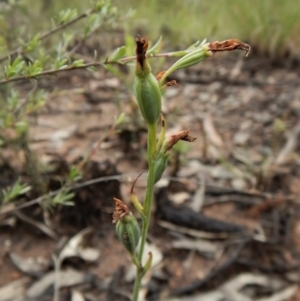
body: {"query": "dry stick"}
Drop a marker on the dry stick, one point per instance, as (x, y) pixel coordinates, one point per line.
(77, 186)
(103, 179)
(50, 32)
(49, 72)
(199, 283)
(37, 224)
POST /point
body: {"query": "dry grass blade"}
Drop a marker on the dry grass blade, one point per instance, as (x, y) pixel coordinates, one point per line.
(282, 295)
(14, 291)
(66, 278)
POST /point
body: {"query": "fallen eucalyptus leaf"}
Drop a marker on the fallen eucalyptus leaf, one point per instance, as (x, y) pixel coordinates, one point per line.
(14, 291)
(75, 247)
(65, 278)
(205, 247)
(241, 280)
(29, 266)
(157, 258)
(282, 295)
(230, 290)
(77, 296)
(179, 197)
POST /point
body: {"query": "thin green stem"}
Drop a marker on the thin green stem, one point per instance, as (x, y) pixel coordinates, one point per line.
(137, 285)
(136, 262)
(150, 185)
(147, 204)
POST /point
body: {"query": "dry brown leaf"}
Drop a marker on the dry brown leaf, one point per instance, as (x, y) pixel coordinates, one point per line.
(229, 45)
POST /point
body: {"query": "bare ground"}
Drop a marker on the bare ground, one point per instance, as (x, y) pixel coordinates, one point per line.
(242, 170)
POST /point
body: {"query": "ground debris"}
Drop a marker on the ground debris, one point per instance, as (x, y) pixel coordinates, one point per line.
(235, 233)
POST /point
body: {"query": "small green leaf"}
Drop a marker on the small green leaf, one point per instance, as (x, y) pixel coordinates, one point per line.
(74, 174)
(16, 190)
(117, 55)
(14, 68)
(32, 44)
(59, 63)
(153, 49)
(67, 15)
(92, 69)
(63, 198)
(78, 63)
(99, 5)
(63, 67)
(22, 126)
(120, 119)
(9, 120)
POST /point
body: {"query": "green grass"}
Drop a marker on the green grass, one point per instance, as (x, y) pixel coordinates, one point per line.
(271, 26)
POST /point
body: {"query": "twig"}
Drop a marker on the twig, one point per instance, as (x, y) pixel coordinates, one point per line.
(126, 176)
(199, 283)
(77, 186)
(34, 223)
(50, 72)
(83, 66)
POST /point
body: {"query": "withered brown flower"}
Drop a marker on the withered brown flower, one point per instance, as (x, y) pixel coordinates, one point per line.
(120, 211)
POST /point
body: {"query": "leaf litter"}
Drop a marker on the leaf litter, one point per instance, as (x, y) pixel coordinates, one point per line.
(239, 168)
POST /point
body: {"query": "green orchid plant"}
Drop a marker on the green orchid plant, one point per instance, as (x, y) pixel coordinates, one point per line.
(147, 89)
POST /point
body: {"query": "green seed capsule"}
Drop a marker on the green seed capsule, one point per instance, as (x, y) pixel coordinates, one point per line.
(148, 96)
(160, 166)
(128, 232)
(145, 86)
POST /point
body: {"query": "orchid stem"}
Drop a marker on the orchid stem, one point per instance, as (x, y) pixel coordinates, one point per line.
(147, 205)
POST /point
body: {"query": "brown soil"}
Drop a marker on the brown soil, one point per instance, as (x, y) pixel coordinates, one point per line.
(242, 111)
